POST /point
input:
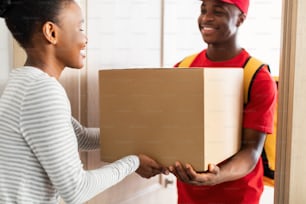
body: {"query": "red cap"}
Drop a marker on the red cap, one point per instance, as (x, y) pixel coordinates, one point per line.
(243, 5)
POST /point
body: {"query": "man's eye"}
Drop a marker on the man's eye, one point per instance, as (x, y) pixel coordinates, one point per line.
(203, 11)
(217, 12)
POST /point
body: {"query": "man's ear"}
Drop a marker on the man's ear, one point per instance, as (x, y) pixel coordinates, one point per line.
(241, 19)
(49, 30)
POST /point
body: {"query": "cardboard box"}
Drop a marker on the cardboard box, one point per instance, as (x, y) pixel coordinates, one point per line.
(190, 115)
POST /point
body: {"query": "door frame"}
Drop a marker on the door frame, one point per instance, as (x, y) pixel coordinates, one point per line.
(290, 162)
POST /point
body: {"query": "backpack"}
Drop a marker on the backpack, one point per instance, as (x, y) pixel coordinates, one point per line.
(251, 67)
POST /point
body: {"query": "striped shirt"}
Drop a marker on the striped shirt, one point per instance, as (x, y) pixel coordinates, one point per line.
(39, 144)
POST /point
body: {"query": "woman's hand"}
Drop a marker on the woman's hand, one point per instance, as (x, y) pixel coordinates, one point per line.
(188, 175)
(149, 167)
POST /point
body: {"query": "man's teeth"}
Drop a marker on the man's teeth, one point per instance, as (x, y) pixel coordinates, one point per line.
(83, 52)
(207, 28)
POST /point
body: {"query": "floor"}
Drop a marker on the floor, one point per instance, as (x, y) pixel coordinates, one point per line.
(267, 196)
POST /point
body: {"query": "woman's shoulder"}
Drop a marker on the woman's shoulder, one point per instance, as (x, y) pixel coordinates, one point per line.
(39, 79)
(38, 83)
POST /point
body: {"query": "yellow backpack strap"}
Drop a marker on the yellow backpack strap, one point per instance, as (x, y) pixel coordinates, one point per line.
(251, 67)
(187, 61)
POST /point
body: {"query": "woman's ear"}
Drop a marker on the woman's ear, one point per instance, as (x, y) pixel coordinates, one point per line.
(241, 19)
(49, 30)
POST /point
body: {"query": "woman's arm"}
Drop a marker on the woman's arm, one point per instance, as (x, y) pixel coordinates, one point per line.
(88, 138)
(47, 128)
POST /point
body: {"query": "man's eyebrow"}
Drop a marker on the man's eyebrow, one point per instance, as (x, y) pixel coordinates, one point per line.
(217, 5)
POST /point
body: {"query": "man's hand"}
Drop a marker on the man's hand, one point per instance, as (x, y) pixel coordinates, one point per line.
(188, 175)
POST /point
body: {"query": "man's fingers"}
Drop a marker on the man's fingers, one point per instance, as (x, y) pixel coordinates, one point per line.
(181, 172)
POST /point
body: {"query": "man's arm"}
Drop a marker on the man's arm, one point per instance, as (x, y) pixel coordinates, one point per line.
(238, 166)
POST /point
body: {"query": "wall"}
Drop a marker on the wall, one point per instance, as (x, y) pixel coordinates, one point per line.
(261, 32)
(5, 54)
(121, 34)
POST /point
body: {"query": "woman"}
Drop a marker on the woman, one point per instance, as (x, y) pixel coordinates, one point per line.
(39, 159)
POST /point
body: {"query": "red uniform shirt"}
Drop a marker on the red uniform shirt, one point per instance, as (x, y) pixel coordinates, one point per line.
(257, 115)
